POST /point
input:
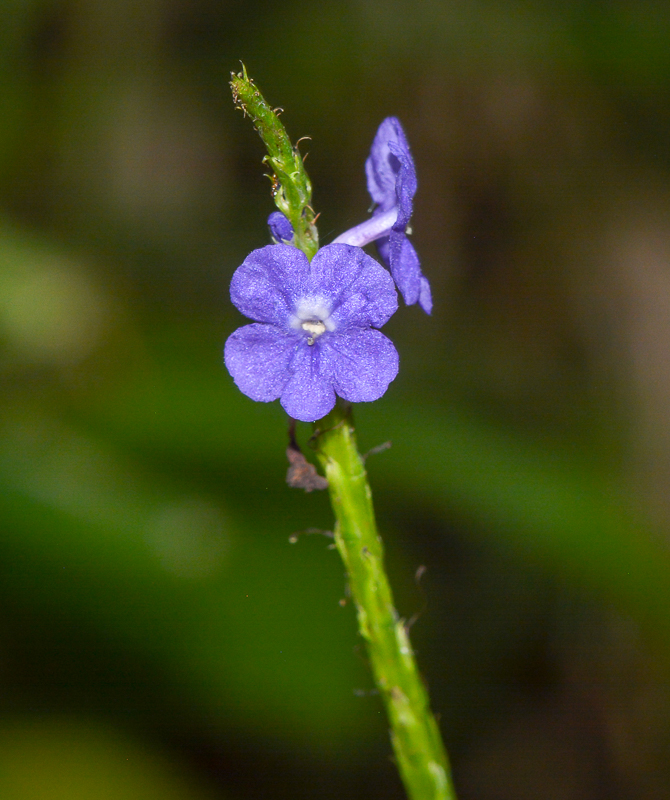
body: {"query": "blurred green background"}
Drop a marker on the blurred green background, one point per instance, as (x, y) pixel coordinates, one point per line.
(159, 636)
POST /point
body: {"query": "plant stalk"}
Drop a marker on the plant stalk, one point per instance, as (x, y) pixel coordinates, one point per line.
(420, 754)
(291, 187)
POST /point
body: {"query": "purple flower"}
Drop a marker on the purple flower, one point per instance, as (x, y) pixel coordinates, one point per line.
(392, 184)
(281, 229)
(314, 334)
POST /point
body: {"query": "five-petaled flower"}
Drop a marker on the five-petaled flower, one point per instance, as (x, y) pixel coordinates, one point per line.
(391, 179)
(314, 335)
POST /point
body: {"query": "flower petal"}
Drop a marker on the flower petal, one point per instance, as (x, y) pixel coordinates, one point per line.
(309, 393)
(383, 250)
(406, 270)
(405, 185)
(364, 363)
(425, 296)
(383, 165)
(259, 359)
(360, 291)
(268, 284)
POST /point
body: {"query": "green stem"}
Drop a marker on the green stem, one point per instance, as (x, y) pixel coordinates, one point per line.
(417, 743)
(420, 754)
(291, 187)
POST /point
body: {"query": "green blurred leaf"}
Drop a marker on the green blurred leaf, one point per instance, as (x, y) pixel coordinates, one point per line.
(75, 759)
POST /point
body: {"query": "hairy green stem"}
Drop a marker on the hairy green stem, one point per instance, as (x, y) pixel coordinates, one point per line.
(420, 754)
(419, 751)
(291, 187)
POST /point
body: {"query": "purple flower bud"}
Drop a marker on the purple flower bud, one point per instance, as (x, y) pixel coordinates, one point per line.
(314, 335)
(281, 229)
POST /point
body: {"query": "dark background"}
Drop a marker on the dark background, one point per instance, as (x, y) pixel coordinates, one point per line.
(159, 636)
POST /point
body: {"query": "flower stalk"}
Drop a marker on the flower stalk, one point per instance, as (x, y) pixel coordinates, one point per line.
(420, 754)
(314, 337)
(291, 187)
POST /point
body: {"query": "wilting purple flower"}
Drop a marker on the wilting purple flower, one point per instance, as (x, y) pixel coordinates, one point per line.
(392, 184)
(314, 334)
(281, 229)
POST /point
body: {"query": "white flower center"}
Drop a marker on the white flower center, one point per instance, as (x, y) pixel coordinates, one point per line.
(315, 329)
(312, 315)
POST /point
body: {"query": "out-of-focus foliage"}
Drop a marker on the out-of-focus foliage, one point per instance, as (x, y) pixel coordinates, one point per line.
(70, 759)
(148, 590)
